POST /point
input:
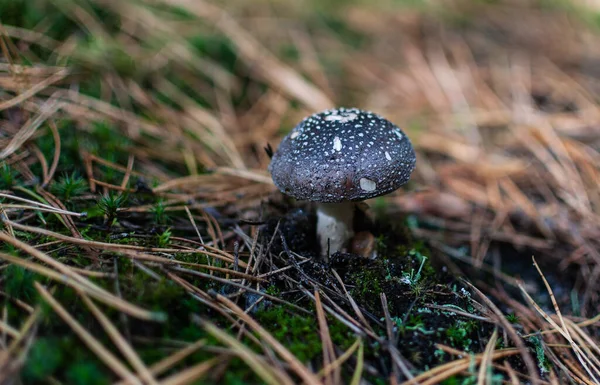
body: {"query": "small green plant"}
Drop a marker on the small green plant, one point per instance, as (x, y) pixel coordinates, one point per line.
(18, 282)
(512, 318)
(542, 360)
(411, 278)
(69, 186)
(459, 334)
(414, 323)
(159, 212)
(109, 204)
(8, 176)
(164, 238)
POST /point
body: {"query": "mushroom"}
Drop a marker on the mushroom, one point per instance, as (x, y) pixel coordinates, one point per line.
(339, 157)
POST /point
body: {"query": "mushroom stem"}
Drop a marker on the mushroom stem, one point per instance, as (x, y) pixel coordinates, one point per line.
(334, 226)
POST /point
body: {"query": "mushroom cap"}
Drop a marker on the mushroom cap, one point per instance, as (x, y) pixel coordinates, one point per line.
(343, 154)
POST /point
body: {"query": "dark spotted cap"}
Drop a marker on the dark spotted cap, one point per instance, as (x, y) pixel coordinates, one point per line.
(342, 154)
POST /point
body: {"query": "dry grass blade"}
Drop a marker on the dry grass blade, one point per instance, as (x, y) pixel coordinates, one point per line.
(55, 78)
(191, 375)
(172, 360)
(326, 343)
(486, 360)
(258, 365)
(40, 205)
(360, 360)
(103, 354)
(294, 363)
(120, 342)
(589, 366)
(43, 209)
(442, 372)
(531, 367)
(84, 285)
(341, 359)
(46, 110)
(123, 248)
(56, 158)
(5, 328)
(10, 362)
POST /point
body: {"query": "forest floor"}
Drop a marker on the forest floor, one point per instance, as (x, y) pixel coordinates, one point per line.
(143, 242)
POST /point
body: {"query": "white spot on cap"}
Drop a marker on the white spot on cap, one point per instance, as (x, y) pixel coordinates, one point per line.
(294, 135)
(341, 117)
(387, 156)
(398, 133)
(367, 184)
(337, 144)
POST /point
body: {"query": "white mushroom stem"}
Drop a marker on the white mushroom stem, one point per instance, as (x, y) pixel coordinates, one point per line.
(334, 226)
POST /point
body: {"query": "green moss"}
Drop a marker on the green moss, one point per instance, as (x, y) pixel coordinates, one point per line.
(86, 373)
(460, 334)
(9, 177)
(272, 290)
(18, 282)
(69, 185)
(368, 285)
(159, 212)
(542, 360)
(298, 333)
(43, 360)
(164, 239)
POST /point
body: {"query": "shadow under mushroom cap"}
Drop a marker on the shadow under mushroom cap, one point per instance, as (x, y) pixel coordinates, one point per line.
(342, 154)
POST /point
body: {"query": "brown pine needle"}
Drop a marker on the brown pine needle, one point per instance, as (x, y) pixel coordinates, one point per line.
(341, 359)
(442, 372)
(519, 343)
(56, 157)
(120, 247)
(60, 75)
(9, 330)
(327, 344)
(119, 341)
(168, 362)
(486, 359)
(103, 354)
(587, 364)
(258, 365)
(356, 377)
(294, 363)
(100, 295)
(193, 374)
(39, 206)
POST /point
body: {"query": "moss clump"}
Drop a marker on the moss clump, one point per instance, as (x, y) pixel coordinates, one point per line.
(297, 332)
(461, 334)
(18, 282)
(63, 358)
(43, 360)
(368, 284)
(300, 333)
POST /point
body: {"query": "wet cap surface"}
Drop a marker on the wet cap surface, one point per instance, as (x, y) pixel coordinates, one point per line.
(342, 154)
